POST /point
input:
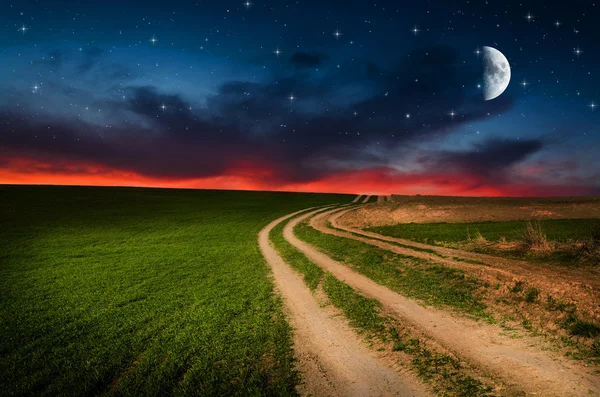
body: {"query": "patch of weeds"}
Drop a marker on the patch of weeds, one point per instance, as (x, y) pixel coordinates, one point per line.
(590, 249)
(439, 367)
(517, 288)
(534, 238)
(532, 294)
(587, 329)
(553, 304)
(596, 347)
(527, 324)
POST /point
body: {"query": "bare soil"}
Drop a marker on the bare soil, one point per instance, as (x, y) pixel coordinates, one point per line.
(429, 209)
(331, 357)
(578, 287)
(520, 363)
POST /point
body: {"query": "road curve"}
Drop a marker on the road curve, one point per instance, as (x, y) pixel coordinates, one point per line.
(519, 365)
(332, 359)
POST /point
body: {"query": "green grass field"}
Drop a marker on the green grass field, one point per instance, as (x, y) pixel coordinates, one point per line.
(124, 291)
(564, 236)
(364, 314)
(556, 230)
(414, 277)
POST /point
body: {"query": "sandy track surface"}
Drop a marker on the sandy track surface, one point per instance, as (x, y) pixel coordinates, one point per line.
(517, 362)
(426, 209)
(571, 283)
(332, 359)
(366, 199)
(356, 198)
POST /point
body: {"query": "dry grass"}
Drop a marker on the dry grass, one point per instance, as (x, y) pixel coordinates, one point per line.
(533, 238)
(590, 249)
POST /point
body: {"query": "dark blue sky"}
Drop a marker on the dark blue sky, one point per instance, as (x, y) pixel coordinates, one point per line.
(266, 95)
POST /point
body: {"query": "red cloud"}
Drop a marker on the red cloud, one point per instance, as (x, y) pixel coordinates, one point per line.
(246, 175)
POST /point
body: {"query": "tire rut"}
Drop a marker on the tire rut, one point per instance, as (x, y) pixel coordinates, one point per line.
(517, 362)
(331, 357)
(515, 267)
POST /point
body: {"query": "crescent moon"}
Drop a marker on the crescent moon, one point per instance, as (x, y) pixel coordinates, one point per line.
(496, 73)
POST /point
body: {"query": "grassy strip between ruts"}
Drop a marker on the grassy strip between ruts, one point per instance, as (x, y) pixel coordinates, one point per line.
(414, 277)
(553, 241)
(447, 376)
(556, 229)
(587, 333)
(124, 291)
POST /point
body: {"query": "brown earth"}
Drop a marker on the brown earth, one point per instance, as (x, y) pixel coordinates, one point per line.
(578, 287)
(520, 363)
(331, 358)
(428, 209)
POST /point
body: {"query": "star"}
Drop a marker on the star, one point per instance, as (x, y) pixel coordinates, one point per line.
(407, 115)
(153, 40)
(337, 34)
(452, 114)
(557, 23)
(524, 83)
(577, 52)
(477, 51)
(248, 4)
(163, 107)
(277, 52)
(23, 29)
(292, 98)
(529, 17)
(35, 88)
(415, 30)
(592, 106)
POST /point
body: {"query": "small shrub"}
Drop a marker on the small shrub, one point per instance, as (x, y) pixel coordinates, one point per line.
(398, 346)
(534, 238)
(586, 329)
(596, 347)
(479, 238)
(532, 294)
(518, 287)
(590, 249)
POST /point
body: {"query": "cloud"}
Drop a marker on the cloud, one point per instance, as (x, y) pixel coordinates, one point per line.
(247, 127)
(308, 59)
(491, 158)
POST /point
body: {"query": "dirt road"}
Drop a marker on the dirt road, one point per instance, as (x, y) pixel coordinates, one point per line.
(332, 359)
(570, 283)
(518, 362)
(356, 198)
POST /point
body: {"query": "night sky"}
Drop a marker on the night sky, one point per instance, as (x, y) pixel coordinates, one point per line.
(334, 96)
